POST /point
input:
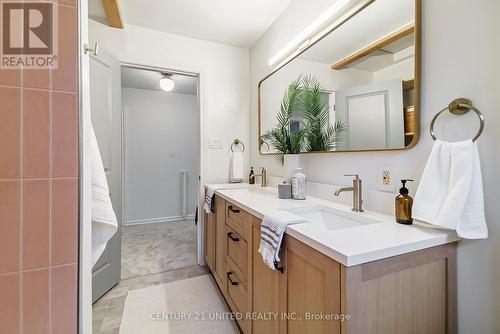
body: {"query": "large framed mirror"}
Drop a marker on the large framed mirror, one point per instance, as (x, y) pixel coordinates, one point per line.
(355, 89)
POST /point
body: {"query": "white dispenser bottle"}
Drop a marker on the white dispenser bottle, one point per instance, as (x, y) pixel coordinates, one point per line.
(299, 184)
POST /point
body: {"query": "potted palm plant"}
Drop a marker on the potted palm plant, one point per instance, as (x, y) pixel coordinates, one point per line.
(282, 137)
(320, 134)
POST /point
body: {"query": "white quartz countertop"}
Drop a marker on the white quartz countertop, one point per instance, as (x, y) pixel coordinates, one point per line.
(348, 246)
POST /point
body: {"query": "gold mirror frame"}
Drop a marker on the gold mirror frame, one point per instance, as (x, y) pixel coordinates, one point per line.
(416, 137)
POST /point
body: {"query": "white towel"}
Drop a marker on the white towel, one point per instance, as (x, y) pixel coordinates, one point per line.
(237, 167)
(104, 222)
(450, 193)
(271, 234)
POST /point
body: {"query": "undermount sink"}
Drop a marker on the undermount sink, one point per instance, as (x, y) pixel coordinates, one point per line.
(332, 219)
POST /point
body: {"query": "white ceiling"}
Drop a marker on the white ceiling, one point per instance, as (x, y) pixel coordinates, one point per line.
(391, 54)
(144, 79)
(96, 11)
(377, 20)
(232, 22)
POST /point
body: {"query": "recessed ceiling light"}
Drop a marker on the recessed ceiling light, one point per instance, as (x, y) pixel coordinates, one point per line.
(166, 82)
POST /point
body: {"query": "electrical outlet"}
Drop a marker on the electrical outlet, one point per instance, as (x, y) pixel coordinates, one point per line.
(386, 178)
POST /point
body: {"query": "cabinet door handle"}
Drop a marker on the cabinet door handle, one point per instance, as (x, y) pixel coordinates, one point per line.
(232, 237)
(279, 268)
(233, 209)
(229, 273)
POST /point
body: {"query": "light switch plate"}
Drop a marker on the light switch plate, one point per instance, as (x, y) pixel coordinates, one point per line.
(215, 143)
(387, 178)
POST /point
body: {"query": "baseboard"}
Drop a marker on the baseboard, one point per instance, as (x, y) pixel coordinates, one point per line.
(158, 220)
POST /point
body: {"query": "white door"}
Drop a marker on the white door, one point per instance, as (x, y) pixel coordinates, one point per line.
(373, 115)
(105, 106)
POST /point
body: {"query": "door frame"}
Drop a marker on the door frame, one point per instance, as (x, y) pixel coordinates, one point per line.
(84, 296)
(85, 235)
(201, 140)
(124, 138)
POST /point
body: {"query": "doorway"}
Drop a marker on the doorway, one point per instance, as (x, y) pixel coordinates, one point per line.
(160, 169)
(149, 140)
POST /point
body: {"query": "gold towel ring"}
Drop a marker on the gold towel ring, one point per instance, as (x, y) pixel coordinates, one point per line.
(238, 142)
(460, 107)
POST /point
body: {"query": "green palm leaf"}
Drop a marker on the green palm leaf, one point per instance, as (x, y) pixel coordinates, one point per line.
(320, 134)
(280, 137)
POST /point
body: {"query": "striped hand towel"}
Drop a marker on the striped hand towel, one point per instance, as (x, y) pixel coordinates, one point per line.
(271, 234)
(209, 200)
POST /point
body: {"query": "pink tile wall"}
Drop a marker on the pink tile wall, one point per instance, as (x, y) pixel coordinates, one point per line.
(39, 191)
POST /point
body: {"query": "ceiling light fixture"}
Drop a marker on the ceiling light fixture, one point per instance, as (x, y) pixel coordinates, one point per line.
(166, 82)
(341, 10)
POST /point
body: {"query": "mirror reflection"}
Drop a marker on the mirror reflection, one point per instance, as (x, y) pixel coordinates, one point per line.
(352, 90)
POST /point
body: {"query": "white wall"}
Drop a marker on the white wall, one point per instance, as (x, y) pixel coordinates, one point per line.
(460, 57)
(161, 139)
(224, 78)
(402, 70)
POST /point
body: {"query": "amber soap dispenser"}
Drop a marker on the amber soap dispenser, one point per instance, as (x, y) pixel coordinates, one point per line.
(404, 202)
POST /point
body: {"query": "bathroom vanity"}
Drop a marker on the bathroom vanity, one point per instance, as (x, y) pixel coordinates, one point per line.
(375, 276)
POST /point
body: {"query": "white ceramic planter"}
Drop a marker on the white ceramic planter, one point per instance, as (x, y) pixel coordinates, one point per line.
(290, 163)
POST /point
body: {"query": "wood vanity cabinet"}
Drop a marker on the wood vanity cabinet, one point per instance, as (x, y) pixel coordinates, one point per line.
(309, 290)
(265, 285)
(209, 224)
(238, 245)
(227, 254)
(220, 245)
(215, 251)
(409, 293)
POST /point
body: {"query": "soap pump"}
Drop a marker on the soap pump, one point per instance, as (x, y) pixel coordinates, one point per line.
(251, 176)
(403, 204)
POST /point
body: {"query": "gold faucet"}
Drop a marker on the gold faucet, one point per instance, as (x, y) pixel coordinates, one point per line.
(357, 193)
(263, 175)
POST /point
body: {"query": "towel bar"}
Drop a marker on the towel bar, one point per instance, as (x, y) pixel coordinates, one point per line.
(460, 107)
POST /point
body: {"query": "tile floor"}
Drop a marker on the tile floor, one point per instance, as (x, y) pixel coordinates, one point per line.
(107, 311)
(195, 296)
(152, 254)
(155, 248)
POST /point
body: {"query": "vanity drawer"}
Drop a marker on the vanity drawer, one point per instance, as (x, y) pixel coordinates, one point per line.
(237, 292)
(237, 250)
(238, 219)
